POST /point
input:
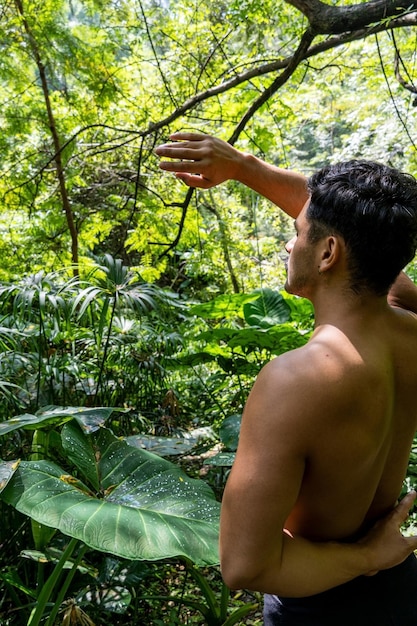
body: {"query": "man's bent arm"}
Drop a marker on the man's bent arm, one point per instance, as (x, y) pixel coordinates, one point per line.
(403, 294)
(305, 568)
(205, 161)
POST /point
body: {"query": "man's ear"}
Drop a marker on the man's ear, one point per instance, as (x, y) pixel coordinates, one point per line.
(331, 251)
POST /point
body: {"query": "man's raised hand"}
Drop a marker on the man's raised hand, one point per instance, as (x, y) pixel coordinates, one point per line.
(199, 160)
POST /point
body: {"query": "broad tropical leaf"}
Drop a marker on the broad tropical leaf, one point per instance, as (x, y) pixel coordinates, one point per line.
(90, 419)
(268, 310)
(146, 508)
(229, 431)
(223, 306)
(276, 339)
(222, 459)
(171, 446)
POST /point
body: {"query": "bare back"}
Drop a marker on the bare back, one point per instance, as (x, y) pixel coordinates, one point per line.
(364, 382)
(323, 451)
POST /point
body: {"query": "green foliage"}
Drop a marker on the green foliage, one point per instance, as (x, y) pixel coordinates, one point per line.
(120, 78)
(267, 310)
(150, 509)
(244, 333)
(229, 432)
(69, 340)
(110, 496)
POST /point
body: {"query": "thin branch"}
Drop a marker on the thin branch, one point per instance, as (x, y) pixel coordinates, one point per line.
(296, 59)
(404, 125)
(161, 73)
(219, 45)
(224, 242)
(185, 206)
(397, 61)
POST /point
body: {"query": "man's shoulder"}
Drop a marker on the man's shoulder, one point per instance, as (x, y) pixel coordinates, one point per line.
(327, 371)
(300, 392)
(310, 368)
(326, 349)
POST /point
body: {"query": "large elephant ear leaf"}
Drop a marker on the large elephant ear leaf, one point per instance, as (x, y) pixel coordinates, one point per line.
(81, 451)
(90, 419)
(146, 508)
(269, 309)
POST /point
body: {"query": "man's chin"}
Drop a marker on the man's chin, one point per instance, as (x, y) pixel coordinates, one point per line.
(288, 288)
(291, 289)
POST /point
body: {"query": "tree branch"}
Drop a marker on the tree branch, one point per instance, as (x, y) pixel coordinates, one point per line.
(325, 19)
(295, 60)
(405, 21)
(185, 206)
(401, 80)
(381, 10)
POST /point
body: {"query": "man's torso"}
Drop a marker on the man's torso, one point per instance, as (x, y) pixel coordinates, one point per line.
(359, 440)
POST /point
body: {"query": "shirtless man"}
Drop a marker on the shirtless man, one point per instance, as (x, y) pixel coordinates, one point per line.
(309, 514)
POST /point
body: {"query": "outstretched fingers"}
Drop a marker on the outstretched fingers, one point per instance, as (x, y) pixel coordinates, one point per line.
(184, 156)
(184, 146)
(199, 160)
(187, 136)
(194, 180)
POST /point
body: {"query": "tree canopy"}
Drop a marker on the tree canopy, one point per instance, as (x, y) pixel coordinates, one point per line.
(89, 88)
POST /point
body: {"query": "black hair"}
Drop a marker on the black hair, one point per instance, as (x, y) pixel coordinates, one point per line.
(374, 208)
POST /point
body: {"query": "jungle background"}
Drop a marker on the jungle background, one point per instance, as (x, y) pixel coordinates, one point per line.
(135, 313)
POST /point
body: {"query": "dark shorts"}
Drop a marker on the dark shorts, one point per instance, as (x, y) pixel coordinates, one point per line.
(387, 599)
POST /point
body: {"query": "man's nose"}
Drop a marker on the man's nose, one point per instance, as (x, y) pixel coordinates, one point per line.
(290, 244)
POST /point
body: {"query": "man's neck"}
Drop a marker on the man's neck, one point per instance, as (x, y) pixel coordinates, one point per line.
(346, 309)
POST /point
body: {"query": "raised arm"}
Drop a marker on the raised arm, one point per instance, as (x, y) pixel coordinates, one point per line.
(205, 161)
